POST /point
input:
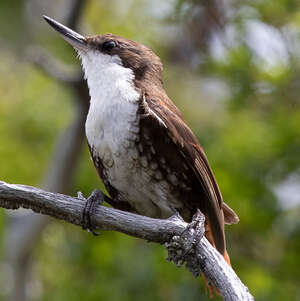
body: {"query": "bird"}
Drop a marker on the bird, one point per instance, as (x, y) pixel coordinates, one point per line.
(148, 158)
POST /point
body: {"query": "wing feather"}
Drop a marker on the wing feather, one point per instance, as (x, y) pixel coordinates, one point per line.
(170, 120)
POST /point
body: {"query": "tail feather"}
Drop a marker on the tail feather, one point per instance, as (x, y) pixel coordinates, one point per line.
(230, 217)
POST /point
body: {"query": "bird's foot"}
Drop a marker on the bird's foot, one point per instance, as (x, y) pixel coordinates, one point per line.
(196, 228)
(97, 196)
(181, 247)
(196, 225)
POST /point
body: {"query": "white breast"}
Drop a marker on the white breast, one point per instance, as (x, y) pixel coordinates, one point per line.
(114, 102)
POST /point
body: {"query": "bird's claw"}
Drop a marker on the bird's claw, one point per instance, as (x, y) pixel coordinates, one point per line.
(96, 196)
(181, 246)
(197, 229)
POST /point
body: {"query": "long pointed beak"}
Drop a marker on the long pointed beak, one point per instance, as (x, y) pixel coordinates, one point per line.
(75, 39)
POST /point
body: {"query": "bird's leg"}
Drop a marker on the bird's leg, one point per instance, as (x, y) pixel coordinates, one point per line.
(97, 196)
(197, 229)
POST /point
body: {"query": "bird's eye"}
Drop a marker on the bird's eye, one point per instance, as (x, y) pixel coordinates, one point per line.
(109, 45)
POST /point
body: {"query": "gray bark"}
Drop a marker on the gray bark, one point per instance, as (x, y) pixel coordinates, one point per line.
(178, 236)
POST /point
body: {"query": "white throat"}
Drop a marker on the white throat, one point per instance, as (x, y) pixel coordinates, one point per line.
(107, 77)
(114, 101)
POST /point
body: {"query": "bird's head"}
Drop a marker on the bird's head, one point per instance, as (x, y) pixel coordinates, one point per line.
(98, 52)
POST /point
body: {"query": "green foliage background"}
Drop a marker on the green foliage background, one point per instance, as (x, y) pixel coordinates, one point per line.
(244, 110)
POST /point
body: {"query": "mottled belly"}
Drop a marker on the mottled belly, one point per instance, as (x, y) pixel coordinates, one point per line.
(139, 180)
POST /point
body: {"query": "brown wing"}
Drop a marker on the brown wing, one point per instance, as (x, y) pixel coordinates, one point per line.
(166, 120)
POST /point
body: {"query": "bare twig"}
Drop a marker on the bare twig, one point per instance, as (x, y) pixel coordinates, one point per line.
(204, 257)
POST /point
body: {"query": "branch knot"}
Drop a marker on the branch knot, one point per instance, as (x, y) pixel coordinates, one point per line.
(181, 248)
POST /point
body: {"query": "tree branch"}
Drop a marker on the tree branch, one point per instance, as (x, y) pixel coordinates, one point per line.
(202, 258)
